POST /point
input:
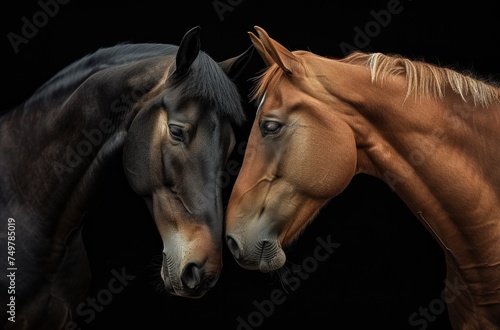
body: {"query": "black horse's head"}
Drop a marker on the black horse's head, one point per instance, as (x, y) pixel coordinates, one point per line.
(175, 151)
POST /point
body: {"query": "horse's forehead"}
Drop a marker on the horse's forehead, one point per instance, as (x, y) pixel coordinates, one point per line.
(278, 94)
(271, 99)
(190, 110)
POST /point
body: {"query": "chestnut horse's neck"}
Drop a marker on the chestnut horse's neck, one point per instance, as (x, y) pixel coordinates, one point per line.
(441, 156)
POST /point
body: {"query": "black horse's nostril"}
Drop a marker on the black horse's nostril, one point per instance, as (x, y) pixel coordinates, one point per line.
(233, 246)
(192, 275)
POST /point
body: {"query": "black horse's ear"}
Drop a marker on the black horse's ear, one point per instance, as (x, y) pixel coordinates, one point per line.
(235, 65)
(188, 51)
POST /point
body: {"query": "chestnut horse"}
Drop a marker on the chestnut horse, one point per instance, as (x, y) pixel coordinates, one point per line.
(169, 112)
(431, 133)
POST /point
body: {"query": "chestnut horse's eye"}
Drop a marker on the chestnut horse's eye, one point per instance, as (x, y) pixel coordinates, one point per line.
(176, 133)
(270, 127)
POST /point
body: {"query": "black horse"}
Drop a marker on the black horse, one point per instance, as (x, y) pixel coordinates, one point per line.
(170, 111)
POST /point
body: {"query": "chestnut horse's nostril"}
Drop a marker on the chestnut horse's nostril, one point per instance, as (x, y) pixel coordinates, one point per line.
(233, 246)
(192, 275)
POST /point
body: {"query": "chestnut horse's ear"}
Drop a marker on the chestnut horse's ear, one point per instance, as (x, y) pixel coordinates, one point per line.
(235, 65)
(261, 49)
(274, 52)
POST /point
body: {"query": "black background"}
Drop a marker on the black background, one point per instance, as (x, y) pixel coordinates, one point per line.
(386, 267)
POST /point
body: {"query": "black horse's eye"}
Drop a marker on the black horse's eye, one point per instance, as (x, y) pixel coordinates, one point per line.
(176, 133)
(270, 127)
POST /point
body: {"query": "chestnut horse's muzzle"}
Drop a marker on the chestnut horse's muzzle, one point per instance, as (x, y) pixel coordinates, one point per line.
(264, 254)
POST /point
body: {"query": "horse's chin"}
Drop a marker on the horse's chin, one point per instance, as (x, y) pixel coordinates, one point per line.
(265, 256)
(269, 265)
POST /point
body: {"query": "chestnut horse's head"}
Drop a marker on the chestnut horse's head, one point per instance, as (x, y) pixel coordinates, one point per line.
(300, 154)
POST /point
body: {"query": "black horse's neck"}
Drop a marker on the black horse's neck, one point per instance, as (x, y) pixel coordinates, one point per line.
(55, 149)
(54, 152)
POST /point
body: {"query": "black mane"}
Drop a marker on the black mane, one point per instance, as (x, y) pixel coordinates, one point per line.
(74, 74)
(207, 82)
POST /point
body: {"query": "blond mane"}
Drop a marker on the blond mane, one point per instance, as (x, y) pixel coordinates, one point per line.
(424, 79)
